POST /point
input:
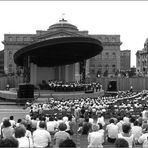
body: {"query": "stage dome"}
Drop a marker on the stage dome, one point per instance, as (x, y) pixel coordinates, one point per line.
(62, 24)
(57, 49)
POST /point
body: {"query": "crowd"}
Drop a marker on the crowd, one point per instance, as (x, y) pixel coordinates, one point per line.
(124, 102)
(70, 86)
(55, 123)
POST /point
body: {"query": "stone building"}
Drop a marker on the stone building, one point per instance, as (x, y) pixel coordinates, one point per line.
(142, 60)
(1, 62)
(125, 57)
(108, 62)
(105, 64)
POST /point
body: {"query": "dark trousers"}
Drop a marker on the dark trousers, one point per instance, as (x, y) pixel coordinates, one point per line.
(111, 140)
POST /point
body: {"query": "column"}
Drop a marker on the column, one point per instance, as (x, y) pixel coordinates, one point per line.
(67, 73)
(87, 69)
(33, 74)
(77, 72)
(26, 64)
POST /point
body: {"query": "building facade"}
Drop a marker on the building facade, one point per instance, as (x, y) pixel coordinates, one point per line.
(108, 62)
(2, 63)
(142, 60)
(125, 59)
(105, 64)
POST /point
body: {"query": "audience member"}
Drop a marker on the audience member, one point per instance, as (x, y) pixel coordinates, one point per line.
(41, 136)
(7, 130)
(24, 141)
(95, 138)
(12, 121)
(9, 142)
(127, 135)
(136, 131)
(61, 135)
(143, 139)
(112, 131)
(121, 143)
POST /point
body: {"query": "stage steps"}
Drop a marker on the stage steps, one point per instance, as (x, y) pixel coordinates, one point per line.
(7, 103)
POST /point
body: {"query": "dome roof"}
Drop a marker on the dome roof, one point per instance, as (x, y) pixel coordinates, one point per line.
(62, 24)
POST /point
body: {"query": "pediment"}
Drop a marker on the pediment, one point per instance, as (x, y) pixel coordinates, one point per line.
(59, 33)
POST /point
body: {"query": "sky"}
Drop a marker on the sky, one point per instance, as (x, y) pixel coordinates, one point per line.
(129, 19)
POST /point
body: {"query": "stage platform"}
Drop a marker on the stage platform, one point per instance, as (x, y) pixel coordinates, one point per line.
(44, 95)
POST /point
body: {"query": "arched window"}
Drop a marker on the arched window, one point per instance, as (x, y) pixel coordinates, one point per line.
(114, 55)
(92, 71)
(107, 55)
(106, 67)
(99, 69)
(114, 68)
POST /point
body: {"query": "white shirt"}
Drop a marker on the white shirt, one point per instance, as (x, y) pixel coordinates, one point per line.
(41, 137)
(12, 123)
(101, 120)
(91, 120)
(112, 130)
(136, 131)
(25, 142)
(144, 140)
(119, 124)
(51, 125)
(95, 140)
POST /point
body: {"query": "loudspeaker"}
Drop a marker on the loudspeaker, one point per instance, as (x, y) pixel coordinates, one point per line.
(112, 86)
(25, 91)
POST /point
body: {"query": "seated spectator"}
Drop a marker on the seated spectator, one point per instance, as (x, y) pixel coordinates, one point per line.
(67, 143)
(143, 139)
(127, 135)
(51, 125)
(61, 135)
(28, 122)
(70, 125)
(136, 131)
(28, 133)
(7, 130)
(119, 123)
(33, 123)
(101, 130)
(121, 143)
(101, 119)
(18, 122)
(41, 136)
(12, 121)
(126, 119)
(95, 138)
(9, 142)
(144, 125)
(86, 127)
(112, 131)
(22, 139)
